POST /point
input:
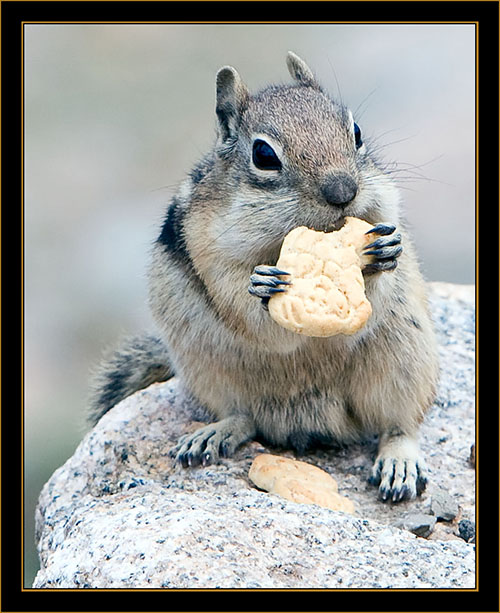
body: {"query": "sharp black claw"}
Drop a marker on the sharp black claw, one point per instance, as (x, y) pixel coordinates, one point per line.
(206, 458)
(386, 253)
(382, 228)
(384, 494)
(267, 280)
(385, 242)
(401, 494)
(421, 484)
(269, 270)
(373, 252)
(263, 291)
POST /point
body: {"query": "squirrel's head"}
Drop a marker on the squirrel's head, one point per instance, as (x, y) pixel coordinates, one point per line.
(292, 153)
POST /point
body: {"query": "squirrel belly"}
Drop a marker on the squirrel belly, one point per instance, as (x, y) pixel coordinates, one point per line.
(285, 157)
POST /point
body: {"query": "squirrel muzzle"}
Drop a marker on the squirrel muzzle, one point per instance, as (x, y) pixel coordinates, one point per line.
(339, 188)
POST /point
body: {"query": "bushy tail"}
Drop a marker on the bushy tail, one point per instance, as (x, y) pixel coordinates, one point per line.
(138, 362)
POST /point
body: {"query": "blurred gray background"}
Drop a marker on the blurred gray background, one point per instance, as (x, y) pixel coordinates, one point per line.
(114, 117)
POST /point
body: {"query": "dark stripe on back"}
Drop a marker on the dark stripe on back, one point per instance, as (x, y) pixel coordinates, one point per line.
(172, 232)
(173, 240)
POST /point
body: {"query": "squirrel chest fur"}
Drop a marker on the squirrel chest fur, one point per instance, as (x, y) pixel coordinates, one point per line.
(285, 157)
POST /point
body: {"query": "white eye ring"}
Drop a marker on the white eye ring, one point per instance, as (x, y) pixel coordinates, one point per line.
(356, 133)
(264, 146)
(357, 136)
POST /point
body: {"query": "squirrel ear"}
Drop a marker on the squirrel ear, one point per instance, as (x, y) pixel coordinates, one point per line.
(231, 99)
(299, 70)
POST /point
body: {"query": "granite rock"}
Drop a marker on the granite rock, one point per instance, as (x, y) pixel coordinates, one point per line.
(467, 530)
(120, 514)
(420, 524)
(443, 505)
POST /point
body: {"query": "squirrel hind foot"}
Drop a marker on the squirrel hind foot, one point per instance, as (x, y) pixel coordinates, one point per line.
(399, 471)
(213, 441)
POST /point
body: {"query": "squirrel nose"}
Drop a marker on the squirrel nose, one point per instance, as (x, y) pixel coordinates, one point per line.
(338, 188)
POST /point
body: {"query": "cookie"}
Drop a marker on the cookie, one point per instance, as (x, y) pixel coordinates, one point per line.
(327, 291)
(297, 481)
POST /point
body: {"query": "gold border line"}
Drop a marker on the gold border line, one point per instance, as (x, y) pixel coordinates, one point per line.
(222, 22)
(22, 311)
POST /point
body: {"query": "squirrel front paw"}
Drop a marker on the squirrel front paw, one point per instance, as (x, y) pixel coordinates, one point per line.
(265, 282)
(384, 251)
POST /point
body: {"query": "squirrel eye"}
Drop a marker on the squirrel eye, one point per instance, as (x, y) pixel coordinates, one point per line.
(264, 157)
(357, 136)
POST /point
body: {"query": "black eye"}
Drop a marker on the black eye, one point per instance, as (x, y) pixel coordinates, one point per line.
(264, 157)
(357, 136)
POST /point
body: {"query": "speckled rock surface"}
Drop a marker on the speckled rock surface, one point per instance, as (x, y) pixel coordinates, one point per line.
(120, 514)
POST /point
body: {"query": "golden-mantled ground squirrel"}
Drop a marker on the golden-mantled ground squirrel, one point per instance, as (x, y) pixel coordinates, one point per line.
(287, 156)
